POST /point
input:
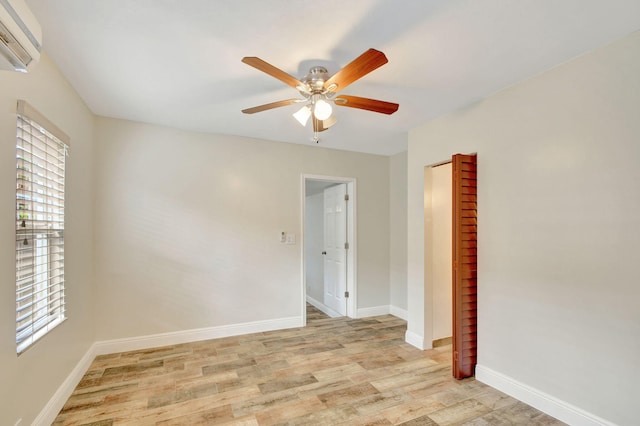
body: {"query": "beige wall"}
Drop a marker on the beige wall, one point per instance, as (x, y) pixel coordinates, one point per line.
(29, 381)
(558, 185)
(188, 228)
(438, 235)
(314, 245)
(398, 232)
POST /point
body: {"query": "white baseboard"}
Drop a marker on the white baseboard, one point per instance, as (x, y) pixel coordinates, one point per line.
(398, 312)
(324, 308)
(55, 404)
(373, 311)
(177, 337)
(362, 312)
(544, 402)
(60, 397)
(383, 310)
(415, 340)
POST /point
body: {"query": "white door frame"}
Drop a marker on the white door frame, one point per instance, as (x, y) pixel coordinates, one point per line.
(352, 272)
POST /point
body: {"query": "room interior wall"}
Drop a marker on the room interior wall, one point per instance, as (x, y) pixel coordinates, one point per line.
(440, 239)
(314, 244)
(188, 226)
(398, 234)
(558, 179)
(29, 380)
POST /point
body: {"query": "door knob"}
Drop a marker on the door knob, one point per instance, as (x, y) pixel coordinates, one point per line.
(324, 252)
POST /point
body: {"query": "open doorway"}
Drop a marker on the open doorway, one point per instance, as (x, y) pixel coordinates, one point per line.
(328, 245)
(450, 206)
(438, 248)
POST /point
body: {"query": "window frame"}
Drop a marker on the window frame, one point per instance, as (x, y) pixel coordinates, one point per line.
(41, 151)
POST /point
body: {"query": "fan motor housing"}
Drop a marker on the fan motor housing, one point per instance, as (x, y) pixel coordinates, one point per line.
(316, 78)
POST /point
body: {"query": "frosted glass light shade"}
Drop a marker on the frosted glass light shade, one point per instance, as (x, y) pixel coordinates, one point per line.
(322, 110)
(302, 115)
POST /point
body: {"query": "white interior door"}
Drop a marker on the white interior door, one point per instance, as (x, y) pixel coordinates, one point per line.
(335, 251)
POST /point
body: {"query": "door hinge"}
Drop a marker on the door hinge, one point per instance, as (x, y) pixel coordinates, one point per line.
(455, 264)
(346, 246)
(346, 197)
(346, 294)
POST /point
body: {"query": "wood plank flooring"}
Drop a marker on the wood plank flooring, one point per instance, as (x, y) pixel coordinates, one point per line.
(332, 372)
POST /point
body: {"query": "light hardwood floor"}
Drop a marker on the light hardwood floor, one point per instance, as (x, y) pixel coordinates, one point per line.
(334, 371)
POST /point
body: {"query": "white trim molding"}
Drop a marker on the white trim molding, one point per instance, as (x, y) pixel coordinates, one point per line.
(399, 312)
(195, 335)
(415, 339)
(362, 312)
(324, 308)
(544, 402)
(57, 401)
(50, 411)
(373, 311)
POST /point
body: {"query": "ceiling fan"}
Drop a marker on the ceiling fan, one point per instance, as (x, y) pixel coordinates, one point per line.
(318, 89)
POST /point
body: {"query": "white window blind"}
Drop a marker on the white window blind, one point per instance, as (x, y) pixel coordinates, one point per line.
(40, 174)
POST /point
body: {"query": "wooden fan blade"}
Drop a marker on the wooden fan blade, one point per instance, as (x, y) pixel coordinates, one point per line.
(270, 106)
(272, 71)
(366, 103)
(358, 68)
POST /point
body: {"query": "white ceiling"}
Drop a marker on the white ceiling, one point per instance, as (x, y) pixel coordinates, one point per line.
(177, 62)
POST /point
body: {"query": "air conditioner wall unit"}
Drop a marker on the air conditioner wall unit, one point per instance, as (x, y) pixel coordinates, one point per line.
(20, 36)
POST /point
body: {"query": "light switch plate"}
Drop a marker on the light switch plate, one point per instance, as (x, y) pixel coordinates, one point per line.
(291, 238)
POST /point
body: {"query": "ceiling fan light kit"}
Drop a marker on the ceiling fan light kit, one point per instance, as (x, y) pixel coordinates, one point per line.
(318, 90)
(321, 109)
(302, 115)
